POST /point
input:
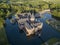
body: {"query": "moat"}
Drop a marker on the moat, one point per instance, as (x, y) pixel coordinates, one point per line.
(19, 38)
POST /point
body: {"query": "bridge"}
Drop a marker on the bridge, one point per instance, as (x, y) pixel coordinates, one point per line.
(44, 11)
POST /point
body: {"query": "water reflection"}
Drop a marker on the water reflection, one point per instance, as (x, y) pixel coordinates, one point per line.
(31, 37)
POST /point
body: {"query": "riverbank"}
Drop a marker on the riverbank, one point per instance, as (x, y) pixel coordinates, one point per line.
(52, 41)
(44, 11)
(57, 18)
(3, 37)
(54, 23)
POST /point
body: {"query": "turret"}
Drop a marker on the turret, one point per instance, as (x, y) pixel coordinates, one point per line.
(32, 18)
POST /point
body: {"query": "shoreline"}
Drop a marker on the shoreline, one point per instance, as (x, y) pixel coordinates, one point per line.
(44, 11)
(53, 24)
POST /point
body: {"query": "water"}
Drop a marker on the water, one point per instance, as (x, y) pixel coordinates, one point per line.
(17, 38)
